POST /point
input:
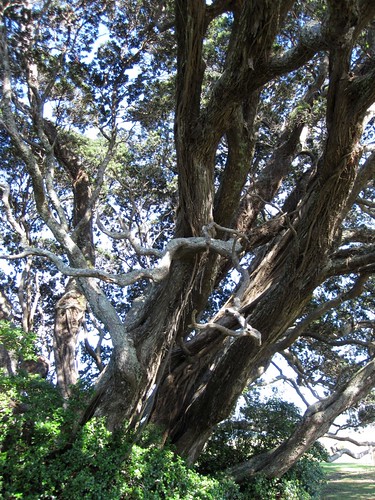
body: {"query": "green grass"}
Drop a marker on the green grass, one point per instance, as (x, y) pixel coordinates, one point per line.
(349, 481)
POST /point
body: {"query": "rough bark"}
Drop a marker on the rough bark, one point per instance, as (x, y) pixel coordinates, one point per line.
(70, 311)
(198, 391)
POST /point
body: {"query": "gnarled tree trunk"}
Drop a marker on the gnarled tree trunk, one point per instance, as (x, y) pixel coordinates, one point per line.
(182, 375)
(71, 307)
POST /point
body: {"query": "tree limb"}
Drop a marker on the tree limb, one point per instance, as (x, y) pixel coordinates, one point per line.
(245, 331)
(181, 246)
(349, 440)
(315, 423)
(346, 451)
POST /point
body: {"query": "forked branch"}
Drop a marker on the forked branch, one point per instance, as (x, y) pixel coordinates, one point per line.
(175, 249)
(245, 331)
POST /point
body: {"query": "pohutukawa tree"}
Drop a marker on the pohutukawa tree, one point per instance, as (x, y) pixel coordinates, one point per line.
(222, 214)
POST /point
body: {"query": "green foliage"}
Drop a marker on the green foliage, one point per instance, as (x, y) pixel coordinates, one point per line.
(31, 418)
(14, 339)
(156, 472)
(40, 459)
(265, 425)
(263, 488)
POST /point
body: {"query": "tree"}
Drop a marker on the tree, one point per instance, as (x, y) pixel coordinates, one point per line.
(270, 107)
(260, 426)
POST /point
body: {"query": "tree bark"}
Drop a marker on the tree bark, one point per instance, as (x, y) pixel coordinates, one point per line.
(198, 391)
(71, 307)
(70, 312)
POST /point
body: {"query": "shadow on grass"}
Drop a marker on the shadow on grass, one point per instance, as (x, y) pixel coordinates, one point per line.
(349, 481)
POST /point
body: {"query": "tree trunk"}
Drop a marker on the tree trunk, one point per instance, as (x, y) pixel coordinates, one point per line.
(282, 281)
(199, 390)
(8, 359)
(150, 328)
(71, 308)
(70, 312)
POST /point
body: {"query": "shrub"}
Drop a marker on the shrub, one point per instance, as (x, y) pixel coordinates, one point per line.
(38, 459)
(265, 424)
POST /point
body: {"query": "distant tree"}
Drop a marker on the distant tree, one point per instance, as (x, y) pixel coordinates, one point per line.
(259, 426)
(223, 212)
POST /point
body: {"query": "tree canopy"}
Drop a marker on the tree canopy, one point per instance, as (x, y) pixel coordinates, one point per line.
(187, 190)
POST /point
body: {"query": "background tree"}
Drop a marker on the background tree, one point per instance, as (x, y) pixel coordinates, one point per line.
(269, 182)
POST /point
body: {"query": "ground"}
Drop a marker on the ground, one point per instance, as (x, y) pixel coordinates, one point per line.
(349, 481)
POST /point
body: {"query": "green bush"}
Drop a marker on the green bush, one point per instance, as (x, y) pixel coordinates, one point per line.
(38, 458)
(263, 426)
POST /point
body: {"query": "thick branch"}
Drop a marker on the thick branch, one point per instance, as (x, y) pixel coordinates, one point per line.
(176, 248)
(358, 235)
(350, 453)
(314, 425)
(354, 260)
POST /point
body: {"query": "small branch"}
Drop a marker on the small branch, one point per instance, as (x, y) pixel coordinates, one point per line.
(94, 353)
(294, 384)
(49, 177)
(245, 331)
(8, 211)
(339, 343)
(298, 330)
(126, 235)
(366, 206)
(265, 202)
(349, 440)
(213, 225)
(207, 231)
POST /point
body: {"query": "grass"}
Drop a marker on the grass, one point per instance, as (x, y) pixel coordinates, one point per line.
(349, 481)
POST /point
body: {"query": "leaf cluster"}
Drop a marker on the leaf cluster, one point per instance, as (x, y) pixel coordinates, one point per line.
(39, 458)
(261, 426)
(14, 339)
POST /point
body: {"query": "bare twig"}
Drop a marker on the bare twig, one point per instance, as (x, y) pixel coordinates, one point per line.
(127, 235)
